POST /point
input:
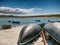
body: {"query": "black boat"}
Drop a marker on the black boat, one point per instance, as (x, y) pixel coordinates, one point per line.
(54, 30)
(28, 33)
(37, 20)
(16, 22)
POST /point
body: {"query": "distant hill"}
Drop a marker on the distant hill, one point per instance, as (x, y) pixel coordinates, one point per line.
(49, 15)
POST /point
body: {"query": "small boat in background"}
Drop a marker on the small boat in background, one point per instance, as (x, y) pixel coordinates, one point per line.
(54, 30)
(37, 20)
(6, 26)
(28, 33)
(52, 21)
(9, 21)
(16, 22)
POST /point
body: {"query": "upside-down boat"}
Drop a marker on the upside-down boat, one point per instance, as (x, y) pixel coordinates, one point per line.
(54, 30)
(28, 33)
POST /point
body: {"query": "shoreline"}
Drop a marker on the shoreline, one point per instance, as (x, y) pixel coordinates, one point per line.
(46, 15)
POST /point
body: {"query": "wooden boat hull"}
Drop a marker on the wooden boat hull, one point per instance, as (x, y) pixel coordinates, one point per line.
(28, 33)
(54, 30)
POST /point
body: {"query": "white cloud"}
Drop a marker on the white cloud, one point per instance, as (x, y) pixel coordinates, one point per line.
(30, 11)
(9, 10)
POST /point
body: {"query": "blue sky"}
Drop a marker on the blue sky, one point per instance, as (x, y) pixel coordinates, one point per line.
(30, 7)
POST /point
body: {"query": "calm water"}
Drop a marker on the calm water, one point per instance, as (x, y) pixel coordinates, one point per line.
(25, 20)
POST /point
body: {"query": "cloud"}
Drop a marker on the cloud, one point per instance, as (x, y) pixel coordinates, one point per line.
(9, 10)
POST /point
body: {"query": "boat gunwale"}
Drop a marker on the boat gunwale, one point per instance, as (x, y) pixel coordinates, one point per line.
(52, 36)
(31, 39)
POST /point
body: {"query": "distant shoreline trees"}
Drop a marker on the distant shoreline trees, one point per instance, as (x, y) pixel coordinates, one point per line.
(50, 15)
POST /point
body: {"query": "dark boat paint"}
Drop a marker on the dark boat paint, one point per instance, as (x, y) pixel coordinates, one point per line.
(17, 22)
(54, 30)
(29, 32)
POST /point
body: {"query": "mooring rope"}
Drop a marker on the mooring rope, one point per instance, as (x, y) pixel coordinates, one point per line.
(44, 39)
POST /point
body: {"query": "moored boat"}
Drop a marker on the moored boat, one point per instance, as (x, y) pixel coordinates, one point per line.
(16, 22)
(28, 33)
(54, 30)
(37, 20)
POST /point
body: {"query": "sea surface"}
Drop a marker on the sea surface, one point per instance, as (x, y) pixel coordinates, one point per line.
(24, 21)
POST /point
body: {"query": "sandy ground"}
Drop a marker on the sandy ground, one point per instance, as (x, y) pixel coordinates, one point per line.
(10, 36)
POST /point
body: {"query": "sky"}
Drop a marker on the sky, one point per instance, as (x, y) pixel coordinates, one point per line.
(29, 7)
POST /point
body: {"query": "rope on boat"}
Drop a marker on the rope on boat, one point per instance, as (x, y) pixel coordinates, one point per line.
(44, 39)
